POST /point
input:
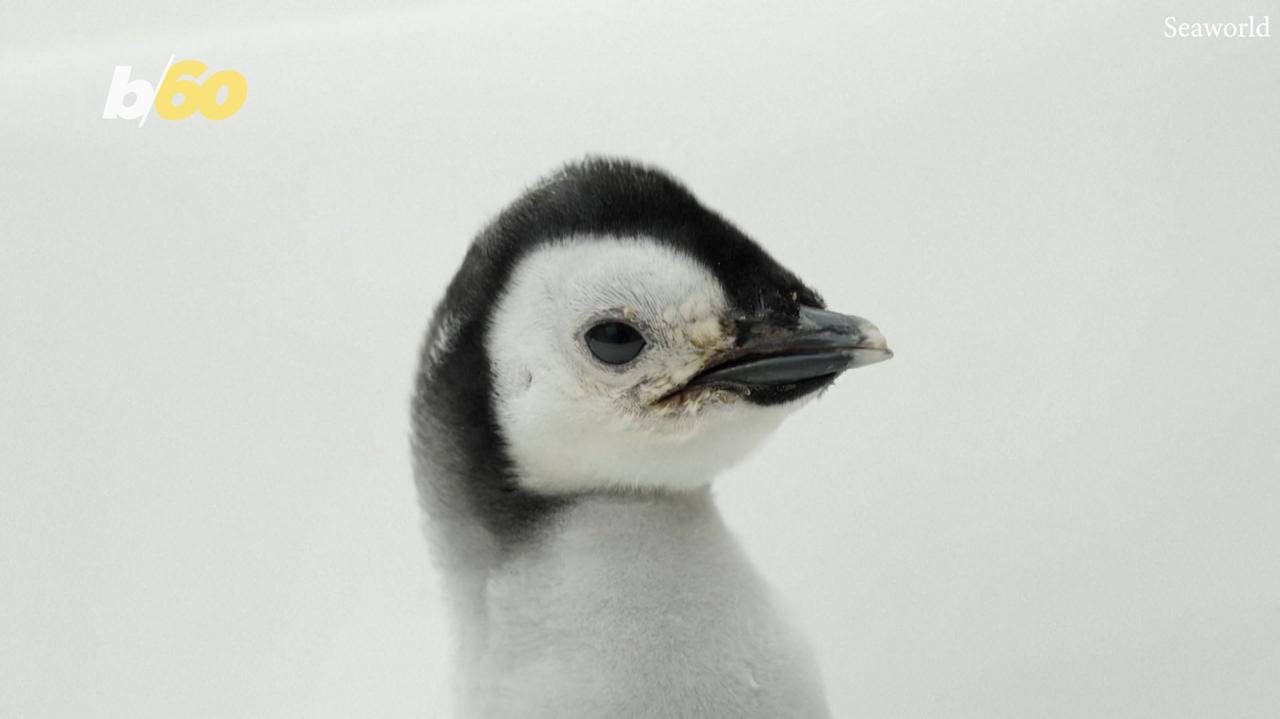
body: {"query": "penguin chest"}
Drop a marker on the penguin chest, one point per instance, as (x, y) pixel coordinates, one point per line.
(638, 608)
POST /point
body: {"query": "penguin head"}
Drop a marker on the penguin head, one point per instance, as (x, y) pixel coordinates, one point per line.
(614, 334)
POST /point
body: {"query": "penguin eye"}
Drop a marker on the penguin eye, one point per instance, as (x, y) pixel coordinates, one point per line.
(614, 342)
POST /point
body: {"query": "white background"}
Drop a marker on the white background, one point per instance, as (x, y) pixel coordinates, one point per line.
(1060, 499)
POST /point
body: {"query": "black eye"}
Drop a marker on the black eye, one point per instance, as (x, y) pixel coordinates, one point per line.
(614, 342)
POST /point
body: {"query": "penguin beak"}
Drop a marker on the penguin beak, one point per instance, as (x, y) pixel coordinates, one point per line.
(810, 350)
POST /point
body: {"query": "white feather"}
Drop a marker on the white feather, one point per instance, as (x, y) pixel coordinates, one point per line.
(574, 424)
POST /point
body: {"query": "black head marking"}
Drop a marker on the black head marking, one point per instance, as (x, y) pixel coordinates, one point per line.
(455, 425)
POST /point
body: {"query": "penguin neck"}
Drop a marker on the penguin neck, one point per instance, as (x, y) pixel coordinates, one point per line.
(660, 521)
(602, 545)
(652, 545)
(653, 526)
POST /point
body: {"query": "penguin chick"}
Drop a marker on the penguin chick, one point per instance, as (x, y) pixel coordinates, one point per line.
(608, 347)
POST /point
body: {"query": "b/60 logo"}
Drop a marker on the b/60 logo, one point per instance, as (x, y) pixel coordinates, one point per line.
(180, 95)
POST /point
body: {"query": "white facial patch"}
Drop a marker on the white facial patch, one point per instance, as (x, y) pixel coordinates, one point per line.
(573, 423)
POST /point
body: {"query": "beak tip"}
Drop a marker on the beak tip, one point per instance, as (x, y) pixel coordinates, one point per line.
(873, 340)
(870, 344)
(871, 347)
(869, 355)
